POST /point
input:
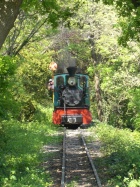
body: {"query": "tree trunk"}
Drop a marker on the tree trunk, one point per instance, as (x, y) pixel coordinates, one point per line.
(96, 60)
(9, 10)
(98, 96)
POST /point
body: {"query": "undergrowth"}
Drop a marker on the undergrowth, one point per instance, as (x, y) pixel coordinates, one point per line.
(20, 150)
(121, 148)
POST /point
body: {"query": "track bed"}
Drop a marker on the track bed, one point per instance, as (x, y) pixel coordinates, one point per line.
(77, 169)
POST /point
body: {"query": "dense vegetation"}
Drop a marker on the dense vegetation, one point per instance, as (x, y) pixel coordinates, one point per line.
(21, 150)
(120, 164)
(104, 39)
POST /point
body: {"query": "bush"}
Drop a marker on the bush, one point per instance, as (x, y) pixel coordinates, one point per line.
(123, 149)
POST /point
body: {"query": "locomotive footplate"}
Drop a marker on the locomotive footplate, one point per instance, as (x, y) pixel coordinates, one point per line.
(72, 119)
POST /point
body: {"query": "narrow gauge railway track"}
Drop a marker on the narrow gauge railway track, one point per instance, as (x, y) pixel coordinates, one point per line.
(77, 165)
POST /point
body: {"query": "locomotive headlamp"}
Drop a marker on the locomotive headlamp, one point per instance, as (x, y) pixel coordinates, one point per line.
(72, 81)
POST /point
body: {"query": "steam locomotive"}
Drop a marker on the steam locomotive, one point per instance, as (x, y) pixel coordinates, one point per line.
(71, 99)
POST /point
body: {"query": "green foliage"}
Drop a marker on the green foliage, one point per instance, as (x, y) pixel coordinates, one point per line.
(72, 184)
(122, 147)
(129, 28)
(130, 11)
(7, 68)
(31, 80)
(118, 70)
(20, 151)
(20, 143)
(8, 106)
(55, 10)
(134, 105)
(80, 49)
(90, 71)
(120, 92)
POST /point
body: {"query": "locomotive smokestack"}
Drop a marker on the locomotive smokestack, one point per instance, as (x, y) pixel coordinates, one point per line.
(71, 70)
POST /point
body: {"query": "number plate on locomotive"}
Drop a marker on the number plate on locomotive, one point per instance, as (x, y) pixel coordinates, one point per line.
(72, 119)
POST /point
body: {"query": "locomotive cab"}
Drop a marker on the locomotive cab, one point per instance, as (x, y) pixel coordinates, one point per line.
(71, 98)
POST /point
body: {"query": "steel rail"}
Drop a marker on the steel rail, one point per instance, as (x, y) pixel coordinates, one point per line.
(91, 162)
(63, 160)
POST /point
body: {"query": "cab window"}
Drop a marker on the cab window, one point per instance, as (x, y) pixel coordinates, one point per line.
(59, 81)
(83, 81)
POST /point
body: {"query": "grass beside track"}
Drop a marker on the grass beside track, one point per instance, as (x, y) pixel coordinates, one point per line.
(20, 151)
(120, 164)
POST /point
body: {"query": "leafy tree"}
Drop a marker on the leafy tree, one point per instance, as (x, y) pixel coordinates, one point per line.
(129, 11)
(28, 28)
(33, 74)
(54, 10)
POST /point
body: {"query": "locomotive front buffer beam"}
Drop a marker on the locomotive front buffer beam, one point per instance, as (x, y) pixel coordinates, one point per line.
(72, 119)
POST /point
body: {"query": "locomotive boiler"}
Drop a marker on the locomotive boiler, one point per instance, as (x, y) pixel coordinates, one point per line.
(71, 99)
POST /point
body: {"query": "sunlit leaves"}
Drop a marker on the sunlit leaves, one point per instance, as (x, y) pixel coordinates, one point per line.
(55, 10)
(7, 65)
(7, 69)
(130, 30)
(130, 11)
